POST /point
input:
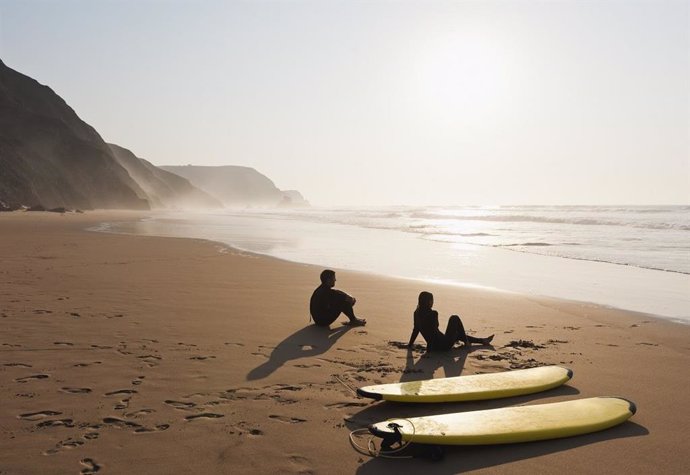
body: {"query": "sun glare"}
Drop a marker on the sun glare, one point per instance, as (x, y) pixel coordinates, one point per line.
(465, 72)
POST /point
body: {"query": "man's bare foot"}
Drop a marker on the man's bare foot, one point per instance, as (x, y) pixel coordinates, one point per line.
(488, 340)
(357, 322)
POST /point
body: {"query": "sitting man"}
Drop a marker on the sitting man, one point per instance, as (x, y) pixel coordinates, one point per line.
(328, 303)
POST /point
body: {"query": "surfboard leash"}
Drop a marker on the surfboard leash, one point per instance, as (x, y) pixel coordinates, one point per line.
(371, 446)
(349, 388)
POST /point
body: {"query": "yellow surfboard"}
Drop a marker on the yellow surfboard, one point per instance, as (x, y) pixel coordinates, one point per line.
(473, 387)
(509, 425)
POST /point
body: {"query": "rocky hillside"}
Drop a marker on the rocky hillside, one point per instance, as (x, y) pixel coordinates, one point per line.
(49, 156)
(293, 199)
(163, 189)
(236, 186)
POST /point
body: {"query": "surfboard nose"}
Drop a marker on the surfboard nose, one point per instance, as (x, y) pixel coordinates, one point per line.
(632, 405)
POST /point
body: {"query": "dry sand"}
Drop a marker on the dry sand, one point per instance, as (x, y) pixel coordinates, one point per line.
(129, 354)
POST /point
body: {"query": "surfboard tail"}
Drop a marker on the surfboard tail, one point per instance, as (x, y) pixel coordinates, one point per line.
(388, 438)
(375, 396)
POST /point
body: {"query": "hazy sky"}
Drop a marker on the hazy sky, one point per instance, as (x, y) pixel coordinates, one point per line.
(383, 102)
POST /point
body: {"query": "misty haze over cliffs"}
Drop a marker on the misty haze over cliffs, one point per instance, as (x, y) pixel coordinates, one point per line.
(163, 189)
(49, 156)
(238, 186)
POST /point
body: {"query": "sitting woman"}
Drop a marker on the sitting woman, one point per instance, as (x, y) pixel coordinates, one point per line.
(426, 323)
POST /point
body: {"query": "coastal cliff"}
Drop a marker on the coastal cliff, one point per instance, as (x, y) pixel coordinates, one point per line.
(163, 188)
(238, 187)
(49, 156)
(51, 159)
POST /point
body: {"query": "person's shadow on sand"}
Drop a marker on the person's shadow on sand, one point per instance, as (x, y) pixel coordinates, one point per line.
(311, 340)
(452, 361)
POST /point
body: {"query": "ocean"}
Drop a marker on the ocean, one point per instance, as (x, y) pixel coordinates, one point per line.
(631, 257)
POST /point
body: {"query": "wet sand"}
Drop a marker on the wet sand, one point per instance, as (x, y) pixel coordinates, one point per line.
(131, 354)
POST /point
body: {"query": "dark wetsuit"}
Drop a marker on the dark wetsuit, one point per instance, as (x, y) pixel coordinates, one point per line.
(327, 304)
(426, 323)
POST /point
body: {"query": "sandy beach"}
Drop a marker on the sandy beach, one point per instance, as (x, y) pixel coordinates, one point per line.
(132, 354)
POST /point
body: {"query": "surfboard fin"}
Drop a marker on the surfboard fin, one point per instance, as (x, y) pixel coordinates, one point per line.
(389, 438)
(392, 444)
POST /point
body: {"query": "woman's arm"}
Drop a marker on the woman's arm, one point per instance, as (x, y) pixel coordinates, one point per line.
(415, 329)
(413, 337)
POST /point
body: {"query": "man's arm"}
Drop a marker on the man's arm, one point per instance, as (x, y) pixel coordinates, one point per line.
(348, 298)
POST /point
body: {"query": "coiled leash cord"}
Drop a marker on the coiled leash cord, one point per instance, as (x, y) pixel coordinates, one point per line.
(371, 451)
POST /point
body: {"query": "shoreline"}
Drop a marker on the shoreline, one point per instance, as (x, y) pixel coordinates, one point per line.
(607, 291)
(156, 355)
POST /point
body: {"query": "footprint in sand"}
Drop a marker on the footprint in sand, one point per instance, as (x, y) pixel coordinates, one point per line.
(84, 365)
(229, 343)
(102, 347)
(150, 360)
(140, 412)
(29, 395)
(180, 404)
(56, 423)
(300, 464)
(121, 423)
(204, 415)
(31, 378)
(123, 404)
(35, 416)
(76, 390)
(138, 428)
(64, 343)
(286, 387)
(122, 391)
(201, 358)
(64, 444)
(90, 466)
(18, 365)
(287, 420)
(41, 311)
(158, 428)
